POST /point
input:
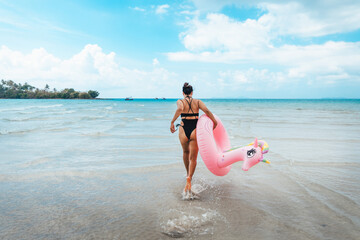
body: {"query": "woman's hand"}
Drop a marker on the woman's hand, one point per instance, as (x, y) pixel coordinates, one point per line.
(172, 128)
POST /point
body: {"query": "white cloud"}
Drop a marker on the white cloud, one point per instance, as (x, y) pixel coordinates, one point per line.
(187, 12)
(251, 79)
(335, 60)
(219, 32)
(312, 20)
(156, 62)
(89, 69)
(138, 9)
(313, 61)
(302, 18)
(218, 38)
(161, 9)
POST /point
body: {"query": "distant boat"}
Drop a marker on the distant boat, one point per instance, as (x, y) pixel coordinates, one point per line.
(164, 98)
(128, 98)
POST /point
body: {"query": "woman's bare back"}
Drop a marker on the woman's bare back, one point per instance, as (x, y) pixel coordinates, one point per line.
(190, 105)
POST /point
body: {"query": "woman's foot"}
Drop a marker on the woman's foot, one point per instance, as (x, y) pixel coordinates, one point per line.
(188, 184)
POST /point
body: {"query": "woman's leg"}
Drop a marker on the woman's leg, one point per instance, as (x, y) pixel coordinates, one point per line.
(193, 147)
(185, 146)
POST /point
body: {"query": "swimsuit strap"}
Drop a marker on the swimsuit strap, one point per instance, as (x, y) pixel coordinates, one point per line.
(190, 114)
(189, 104)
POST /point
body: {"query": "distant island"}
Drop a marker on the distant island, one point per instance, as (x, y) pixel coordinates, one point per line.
(10, 89)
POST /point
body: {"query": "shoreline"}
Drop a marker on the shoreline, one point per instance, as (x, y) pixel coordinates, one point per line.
(245, 99)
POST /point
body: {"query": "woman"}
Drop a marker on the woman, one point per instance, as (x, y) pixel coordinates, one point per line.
(189, 110)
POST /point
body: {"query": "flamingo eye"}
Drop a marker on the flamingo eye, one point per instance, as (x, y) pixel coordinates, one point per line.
(251, 153)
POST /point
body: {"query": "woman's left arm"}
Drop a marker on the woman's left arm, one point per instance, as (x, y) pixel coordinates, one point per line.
(176, 115)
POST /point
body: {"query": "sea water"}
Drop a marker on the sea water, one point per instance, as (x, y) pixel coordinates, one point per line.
(111, 169)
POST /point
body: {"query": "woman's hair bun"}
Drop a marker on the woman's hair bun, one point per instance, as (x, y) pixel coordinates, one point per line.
(187, 88)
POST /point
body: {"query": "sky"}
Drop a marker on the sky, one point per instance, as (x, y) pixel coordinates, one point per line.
(146, 49)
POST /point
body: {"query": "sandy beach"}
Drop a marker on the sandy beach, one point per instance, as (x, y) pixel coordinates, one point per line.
(147, 203)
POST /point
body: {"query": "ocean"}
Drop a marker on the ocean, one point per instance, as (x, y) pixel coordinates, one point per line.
(111, 169)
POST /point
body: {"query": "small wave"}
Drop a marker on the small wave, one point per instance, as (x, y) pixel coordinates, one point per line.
(69, 111)
(198, 221)
(117, 126)
(96, 134)
(6, 132)
(18, 119)
(46, 174)
(15, 109)
(139, 119)
(58, 129)
(50, 106)
(91, 118)
(37, 161)
(141, 105)
(24, 112)
(108, 108)
(14, 119)
(30, 107)
(63, 112)
(322, 164)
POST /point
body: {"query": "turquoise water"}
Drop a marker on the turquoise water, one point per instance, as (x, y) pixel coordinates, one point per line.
(71, 134)
(82, 168)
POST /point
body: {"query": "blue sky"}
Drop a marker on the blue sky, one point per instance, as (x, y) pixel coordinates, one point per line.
(228, 48)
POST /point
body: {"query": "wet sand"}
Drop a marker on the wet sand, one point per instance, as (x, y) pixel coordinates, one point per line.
(146, 203)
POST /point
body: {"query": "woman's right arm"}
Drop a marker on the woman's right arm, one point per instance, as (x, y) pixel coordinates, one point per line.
(203, 107)
(176, 115)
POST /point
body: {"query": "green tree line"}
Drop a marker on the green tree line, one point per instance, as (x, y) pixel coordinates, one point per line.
(10, 89)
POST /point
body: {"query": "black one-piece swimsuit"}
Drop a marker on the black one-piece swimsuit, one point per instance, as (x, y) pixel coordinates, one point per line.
(189, 124)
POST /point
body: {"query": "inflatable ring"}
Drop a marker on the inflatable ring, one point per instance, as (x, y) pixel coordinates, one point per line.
(216, 152)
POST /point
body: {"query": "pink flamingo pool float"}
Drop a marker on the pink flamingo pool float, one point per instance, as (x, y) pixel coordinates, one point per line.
(216, 152)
